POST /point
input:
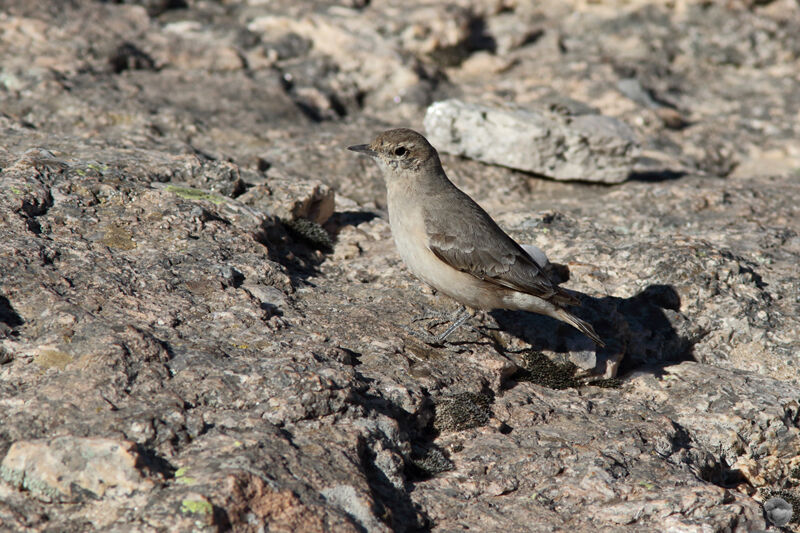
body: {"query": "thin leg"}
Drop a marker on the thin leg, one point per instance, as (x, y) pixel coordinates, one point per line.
(459, 318)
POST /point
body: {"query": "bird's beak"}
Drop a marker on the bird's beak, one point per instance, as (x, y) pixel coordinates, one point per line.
(363, 149)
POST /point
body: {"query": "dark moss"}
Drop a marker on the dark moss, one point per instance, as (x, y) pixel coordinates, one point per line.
(537, 368)
(429, 462)
(610, 383)
(310, 233)
(462, 411)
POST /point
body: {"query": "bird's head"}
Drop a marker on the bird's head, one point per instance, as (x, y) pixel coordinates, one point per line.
(400, 150)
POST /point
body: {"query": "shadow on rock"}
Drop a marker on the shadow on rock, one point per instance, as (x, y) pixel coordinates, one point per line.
(640, 332)
(656, 176)
(341, 219)
(299, 245)
(399, 512)
(9, 319)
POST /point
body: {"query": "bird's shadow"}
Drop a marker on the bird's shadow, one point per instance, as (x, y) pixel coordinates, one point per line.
(640, 332)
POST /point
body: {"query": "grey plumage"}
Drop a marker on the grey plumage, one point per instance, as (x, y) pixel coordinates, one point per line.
(487, 252)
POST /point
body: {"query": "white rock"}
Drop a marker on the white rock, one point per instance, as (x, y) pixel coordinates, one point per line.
(583, 147)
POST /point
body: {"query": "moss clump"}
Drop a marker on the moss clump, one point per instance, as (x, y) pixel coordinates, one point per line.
(310, 233)
(118, 238)
(462, 411)
(429, 462)
(610, 383)
(537, 368)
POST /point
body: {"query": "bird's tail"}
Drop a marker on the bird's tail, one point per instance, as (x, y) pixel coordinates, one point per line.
(583, 326)
(564, 297)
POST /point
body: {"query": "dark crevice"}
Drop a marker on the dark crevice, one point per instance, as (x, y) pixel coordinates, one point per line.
(9, 318)
(719, 472)
(151, 461)
(656, 176)
(289, 245)
(128, 56)
(396, 509)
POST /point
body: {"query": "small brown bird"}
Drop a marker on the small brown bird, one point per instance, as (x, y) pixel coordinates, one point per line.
(452, 244)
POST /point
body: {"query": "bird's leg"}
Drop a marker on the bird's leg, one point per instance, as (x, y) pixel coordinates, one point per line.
(437, 317)
(459, 318)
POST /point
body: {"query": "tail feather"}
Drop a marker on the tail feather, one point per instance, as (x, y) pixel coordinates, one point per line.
(563, 297)
(581, 325)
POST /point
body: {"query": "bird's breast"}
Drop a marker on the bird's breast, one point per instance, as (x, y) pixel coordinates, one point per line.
(410, 237)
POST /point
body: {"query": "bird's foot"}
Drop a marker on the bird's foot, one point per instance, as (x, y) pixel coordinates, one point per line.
(457, 319)
(425, 336)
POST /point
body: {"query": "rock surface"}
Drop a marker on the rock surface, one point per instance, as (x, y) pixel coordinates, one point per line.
(69, 469)
(204, 325)
(586, 147)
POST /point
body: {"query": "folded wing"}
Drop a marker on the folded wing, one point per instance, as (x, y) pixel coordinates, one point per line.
(485, 251)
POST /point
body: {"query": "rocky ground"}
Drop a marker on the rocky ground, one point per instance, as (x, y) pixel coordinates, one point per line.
(204, 324)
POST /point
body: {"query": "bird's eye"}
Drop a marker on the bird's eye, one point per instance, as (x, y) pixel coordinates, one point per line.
(400, 151)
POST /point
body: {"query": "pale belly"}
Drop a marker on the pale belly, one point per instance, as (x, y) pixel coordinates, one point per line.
(409, 236)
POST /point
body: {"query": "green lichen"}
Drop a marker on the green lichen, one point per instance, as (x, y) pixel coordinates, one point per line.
(52, 359)
(195, 194)
(462, 411)
(40, 487)
(118, 238)
(182, 478)
(196, 507)
(18, 479)
(12, 476)
(98, 167)
(310, 233)
(537, 368)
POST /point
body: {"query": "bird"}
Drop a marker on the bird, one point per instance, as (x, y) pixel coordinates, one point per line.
(449, 242)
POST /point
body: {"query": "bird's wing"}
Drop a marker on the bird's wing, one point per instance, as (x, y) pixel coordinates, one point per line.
(475, 244)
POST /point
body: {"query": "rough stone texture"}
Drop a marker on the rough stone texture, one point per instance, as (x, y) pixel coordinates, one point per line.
(201, 300)
(69, 469)
(586, 147)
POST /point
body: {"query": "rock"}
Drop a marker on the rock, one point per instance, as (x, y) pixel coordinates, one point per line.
(69, 469)
(291, 197)
(537, 254)
(778, 510)
(205, 325)
(585, 147)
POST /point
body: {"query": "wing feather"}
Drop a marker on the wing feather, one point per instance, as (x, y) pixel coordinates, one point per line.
(485, 251)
